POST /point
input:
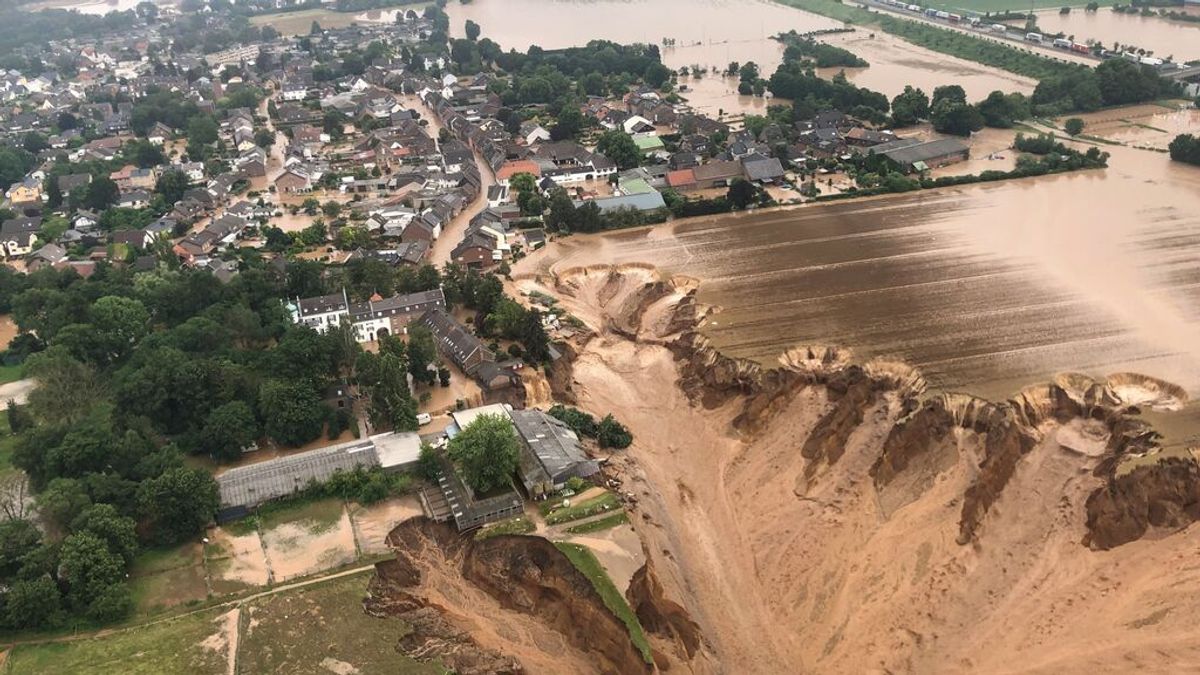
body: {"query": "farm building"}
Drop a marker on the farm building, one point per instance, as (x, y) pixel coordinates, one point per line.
(244, 487)
(551, 453)
(913, 155)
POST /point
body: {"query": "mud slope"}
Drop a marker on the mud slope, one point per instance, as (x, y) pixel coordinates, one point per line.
(502, 605)
(827, 517)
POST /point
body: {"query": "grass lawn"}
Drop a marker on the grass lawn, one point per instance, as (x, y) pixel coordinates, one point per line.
(318, 516)
(518, 525)
(169, 647)
(7, 441)
(600, 524)
(164, 578)
(322, 629)
(11, 373)
(605, 502)
(585, 561)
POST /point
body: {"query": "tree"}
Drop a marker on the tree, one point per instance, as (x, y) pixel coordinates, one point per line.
(1073, 126)
(18, 538)
(909, 107)
(472, 30)
(612, 434)
(620, 148)
(561, 217)
(89, 568)
(1002, 110)
(314, 28)
(115, 530)
(292, 413)
(178, 504)
(61, 502)
(570, 122)
(950, 92)
(33, 604)
(952, 117)
(486, 453)
(202, 130)
(229, 429)
(748, 72)
(101, 193)
(656, 75)
(422, 352)
(1185, 148)
(741, 193)
(171, 185)
(120, 322)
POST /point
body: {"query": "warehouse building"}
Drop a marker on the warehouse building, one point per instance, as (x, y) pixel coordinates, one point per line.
(245, 487)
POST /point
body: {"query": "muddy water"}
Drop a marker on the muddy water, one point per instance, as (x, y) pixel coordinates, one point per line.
(985, 288)
(1164, 38)
(896, 63)
(711, 33)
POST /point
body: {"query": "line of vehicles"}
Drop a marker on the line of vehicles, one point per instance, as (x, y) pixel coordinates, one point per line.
(977, 23)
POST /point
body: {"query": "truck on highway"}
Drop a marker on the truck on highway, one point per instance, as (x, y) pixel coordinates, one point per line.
(1033, 37)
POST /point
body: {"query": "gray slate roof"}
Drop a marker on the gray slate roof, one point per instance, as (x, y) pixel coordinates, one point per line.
(264, 481)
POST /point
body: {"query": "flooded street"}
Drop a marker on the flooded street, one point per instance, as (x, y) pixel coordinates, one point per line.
(984, 288)
(1164, 38)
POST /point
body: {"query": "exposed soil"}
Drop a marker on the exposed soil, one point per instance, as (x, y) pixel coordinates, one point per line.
(502, 605)
(821, 516)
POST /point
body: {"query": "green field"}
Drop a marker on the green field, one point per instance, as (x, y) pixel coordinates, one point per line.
(165, 578)
(605, 502)
(11, 373)
(600, 524)
(319, 628)
(174, 646)
(585, 561)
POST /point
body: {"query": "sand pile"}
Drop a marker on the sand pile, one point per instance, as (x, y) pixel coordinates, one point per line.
(819, 517)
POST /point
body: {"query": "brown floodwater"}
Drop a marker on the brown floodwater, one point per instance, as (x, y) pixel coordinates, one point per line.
(1165, 38)
(712, 33)
(985, 288)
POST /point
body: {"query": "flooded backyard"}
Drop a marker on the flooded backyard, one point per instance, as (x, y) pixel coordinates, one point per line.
(985, 288)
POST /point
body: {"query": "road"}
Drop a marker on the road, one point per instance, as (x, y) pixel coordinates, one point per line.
(1045, 50)
(452, 234)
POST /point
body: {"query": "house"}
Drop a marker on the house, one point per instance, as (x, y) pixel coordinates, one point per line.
(294, 179)
(914, 155)
(497, 195)
(640, 201)
(46, 256)
(550, 453)
(456, 343)
(761, 169)
(717, 174)
(134, 199)
(72, 182)
(322, 312)
(532, 132)
(379, 317)
(132, 238)
(18, 234)
(858, 136)
(26, 192)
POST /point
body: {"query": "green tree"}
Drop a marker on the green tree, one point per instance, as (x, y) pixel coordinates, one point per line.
(422, 352)
(61, 502)
(1002, 110)
(202, 130)
(472, 30)
(612, 434)
(741, 193)
(120, 322)
(33, 604)
(171, 185)
(292, 413)
(18, 538)
(486, 453)
(1073, 126)
(115, 530)
(620, 148)
(101, 193)
(951, 117)
(910, 107)
(228, 429)
(88, 568)
(178, 504)
(950, 92)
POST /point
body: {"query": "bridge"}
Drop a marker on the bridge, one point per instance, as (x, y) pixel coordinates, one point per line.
(1184, 74)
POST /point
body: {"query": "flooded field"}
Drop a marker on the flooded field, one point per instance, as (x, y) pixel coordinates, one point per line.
(1144, 126)
(985, 288)
(896, 63)
(1165, 38)
(712, 33)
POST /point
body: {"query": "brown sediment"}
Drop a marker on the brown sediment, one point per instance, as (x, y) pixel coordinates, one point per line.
(502, 605)
(815, 516)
